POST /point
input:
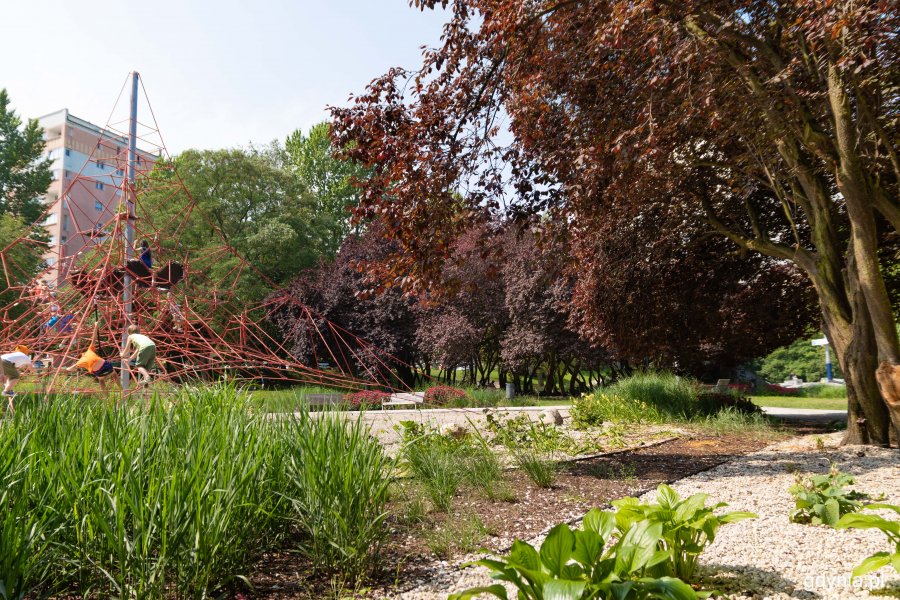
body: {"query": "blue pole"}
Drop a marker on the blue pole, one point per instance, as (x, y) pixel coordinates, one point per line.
(829, 374)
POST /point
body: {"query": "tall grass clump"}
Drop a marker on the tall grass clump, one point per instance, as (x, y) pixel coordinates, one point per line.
(594, 409)
(443, 463)
(435, 461)
(133, 503)
(177, 499)
(338, 483)
(730, 420)
(822, 390)
(673, 397)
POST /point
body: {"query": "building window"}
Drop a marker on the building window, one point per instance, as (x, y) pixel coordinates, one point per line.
(98, 205)
(101, 165)
(65, 221)
(63, 239)
(120, 172)
(56, 174)
(68, 152)
(51, 261)
(98, 185)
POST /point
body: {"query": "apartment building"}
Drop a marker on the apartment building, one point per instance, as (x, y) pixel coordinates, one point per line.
(89, 164)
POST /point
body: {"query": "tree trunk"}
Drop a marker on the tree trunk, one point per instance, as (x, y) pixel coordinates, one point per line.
(856, 350)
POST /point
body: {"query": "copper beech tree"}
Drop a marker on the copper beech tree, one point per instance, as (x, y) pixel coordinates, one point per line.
(772, 123)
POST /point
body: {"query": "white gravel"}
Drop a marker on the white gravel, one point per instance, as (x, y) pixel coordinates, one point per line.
(767, 557)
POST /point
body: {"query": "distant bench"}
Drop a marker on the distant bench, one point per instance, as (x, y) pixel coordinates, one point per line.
(414, 399)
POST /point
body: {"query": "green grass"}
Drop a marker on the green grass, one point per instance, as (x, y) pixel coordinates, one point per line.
(823, 391)
(177, 499)
(671, 396)
(731, 421)
(792, 402)
(291, 399)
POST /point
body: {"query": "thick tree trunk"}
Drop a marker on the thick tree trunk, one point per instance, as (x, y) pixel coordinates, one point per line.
(856, 350)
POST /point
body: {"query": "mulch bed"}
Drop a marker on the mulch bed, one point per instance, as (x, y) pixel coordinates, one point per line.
(581, 485)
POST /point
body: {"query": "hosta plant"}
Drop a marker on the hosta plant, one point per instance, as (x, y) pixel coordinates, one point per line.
(824, 499)
(890, 528)
(688, 526)
(577, 565)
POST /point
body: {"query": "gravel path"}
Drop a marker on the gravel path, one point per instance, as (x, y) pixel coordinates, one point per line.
(768, 557)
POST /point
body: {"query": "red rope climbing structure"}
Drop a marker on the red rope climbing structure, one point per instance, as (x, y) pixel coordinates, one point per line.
(187, 302)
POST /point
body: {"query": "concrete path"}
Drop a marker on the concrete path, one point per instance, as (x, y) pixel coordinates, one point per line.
(814, 415)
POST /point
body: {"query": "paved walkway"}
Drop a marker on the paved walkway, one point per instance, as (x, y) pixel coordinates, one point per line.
(814, 415)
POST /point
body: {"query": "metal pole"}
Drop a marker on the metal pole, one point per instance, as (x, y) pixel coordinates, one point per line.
(829, 373)
(128, 197)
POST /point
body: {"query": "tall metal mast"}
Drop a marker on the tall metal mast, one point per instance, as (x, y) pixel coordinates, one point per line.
(128, 196)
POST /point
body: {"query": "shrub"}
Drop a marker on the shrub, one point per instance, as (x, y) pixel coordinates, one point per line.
(711, 402)
(823, 499)
(688, 527)
(740, 388)
(364, 398)
(889, 528)
(443, 394)
(779, 390)
(338, 482)
(580, 564)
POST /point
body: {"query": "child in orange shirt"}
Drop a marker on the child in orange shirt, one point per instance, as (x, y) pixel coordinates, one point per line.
(96, 366)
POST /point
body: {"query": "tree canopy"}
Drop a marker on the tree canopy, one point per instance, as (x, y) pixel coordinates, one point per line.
(773, 125)
(24, 176)
(329, 179)
(247, 200)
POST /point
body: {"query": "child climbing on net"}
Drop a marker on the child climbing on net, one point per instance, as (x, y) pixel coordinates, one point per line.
(95, 366)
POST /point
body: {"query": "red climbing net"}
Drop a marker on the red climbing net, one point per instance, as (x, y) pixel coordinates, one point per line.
(188, 302)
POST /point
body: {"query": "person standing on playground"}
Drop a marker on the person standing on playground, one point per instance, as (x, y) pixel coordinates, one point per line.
(13, 364)
(144, 353)
(90, 361)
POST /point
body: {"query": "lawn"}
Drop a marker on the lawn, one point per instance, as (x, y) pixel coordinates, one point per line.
(793, 402)
(290, 399)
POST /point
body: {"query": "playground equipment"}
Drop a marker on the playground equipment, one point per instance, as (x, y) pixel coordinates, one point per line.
(186, 303)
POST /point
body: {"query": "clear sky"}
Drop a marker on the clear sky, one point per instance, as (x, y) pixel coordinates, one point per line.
(218, 73)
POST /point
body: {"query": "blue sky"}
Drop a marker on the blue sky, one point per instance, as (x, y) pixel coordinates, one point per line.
(218, 73)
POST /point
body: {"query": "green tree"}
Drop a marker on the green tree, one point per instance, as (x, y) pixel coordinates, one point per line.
(313, 159)
(21, 261)
(24, 177)
(245, 200)
(800, 358)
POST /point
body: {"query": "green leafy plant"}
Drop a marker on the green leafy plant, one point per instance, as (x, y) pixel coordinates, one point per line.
(890, 528)
(688, 526)
(580, 564)
(824, 499)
